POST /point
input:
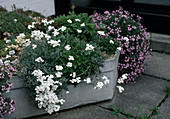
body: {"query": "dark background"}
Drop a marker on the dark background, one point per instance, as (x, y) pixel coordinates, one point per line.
(155, 13)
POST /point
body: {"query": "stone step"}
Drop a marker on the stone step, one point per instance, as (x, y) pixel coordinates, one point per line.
(160, 42)
(158, 65)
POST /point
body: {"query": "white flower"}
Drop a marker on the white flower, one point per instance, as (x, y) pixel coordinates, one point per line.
(12, 52)
(106, 81)
(67, 47)
(71, 57)
(69, 21)
(27, 42)
(7, 41)
(58, 67)
(1, 61)
(111, 42)
(37, 73)
(7, 56)
(47, 36)
(39, 59)
(22, 35)
(101, 33)
(119, 48)
(51, 21)
(89, 47)
(55, 33)
(78, 80)
(7, 62)
(104, 77)
(99, 85)
(50, 28)
(30, 26)
(15, 20)
(79, 31)
(126, 38)
(54, 43)
(88, 80)
(67, 92)
(69, 64)
(73, 75)
(120, 88)
(83, 24)
(63, 28)
(124, 76)
(120, 80)
(77, 20)
(58, 74)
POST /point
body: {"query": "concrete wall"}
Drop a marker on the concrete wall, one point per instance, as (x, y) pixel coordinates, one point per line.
(45, 7)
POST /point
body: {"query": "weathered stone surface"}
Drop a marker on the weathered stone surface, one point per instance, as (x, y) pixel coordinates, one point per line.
(160, 42)
(88, 112)
(147, 92)
(45, 7)
(159, 65)
(164, 110)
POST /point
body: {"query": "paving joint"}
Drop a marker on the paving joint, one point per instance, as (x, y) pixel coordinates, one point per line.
(162, 101)
(109, 109)
(168, 80)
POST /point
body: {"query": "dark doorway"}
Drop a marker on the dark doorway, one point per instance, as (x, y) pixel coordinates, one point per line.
(155, 13)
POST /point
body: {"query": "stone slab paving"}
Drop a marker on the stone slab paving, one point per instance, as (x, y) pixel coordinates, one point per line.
(87, 112)
(159, 65)
(164, 110)
(147, 93)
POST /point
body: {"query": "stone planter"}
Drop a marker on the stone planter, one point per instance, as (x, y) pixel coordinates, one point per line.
(81, 95)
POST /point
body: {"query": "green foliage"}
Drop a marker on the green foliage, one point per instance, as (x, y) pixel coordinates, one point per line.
(167, 90)
(14, 23)
(117, 112)
(89, 31)
(155, 111)
(85, 64)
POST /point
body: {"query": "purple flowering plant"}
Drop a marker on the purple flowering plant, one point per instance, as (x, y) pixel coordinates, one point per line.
(6, 103)
(134, 40)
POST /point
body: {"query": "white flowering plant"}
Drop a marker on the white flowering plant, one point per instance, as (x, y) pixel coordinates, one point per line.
(64, 54)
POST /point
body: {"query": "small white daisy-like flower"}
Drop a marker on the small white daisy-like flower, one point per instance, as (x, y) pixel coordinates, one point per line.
(126, 38)
(71, 57)
(7, 41)
(101, 33)
(39, 59)
(50, 28)
(88, 80)
(67, 92)
(106, 81)
(67, 47)
(59, 67)
(119, 48)
(58, 74)
(63, 28)
(54, 43)
(34, 46)
(83, 24)
(69, 64)
(12, 52)
(79, 31)
(89, 47)
(104, 77)
(15, 20)
(120, 88)
(77, 20)
(69, 21)
(73, 75)
(111, 42)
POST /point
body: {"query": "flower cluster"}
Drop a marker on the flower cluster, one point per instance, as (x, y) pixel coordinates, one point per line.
(6, 104)
(60, 56)
(132, 36)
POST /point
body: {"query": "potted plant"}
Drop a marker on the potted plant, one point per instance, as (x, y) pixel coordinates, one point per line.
(68, 63)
